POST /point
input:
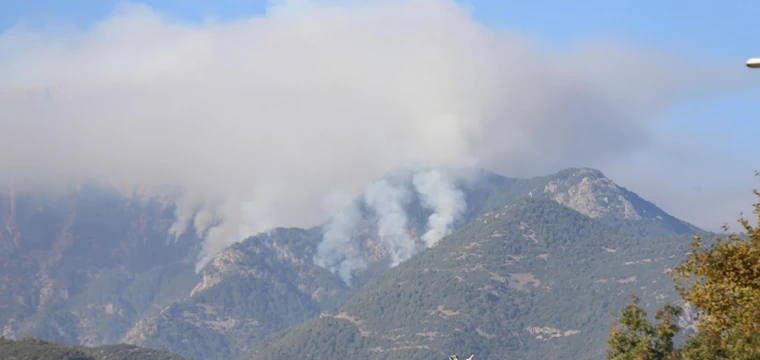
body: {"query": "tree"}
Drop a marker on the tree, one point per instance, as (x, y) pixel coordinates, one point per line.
(635, 338)
(722, 282)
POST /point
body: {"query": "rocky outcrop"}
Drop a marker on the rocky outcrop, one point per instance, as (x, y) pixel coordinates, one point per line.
(589, 192)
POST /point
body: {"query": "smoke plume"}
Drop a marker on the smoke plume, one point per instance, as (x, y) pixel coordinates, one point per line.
(341, 249)
(258, 120)
(338, 251)
(447, 202)
(389, 202)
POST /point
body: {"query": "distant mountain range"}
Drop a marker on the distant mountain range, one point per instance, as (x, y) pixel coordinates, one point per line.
(497, 266)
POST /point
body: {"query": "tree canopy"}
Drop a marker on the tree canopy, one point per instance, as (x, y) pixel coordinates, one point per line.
(722, 282)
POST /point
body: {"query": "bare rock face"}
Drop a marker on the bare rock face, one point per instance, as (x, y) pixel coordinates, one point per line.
(589, 192)
(688, 318)
(592, 194)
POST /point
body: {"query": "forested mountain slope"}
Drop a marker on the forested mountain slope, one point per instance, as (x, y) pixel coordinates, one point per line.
(532, 280)
(95, 265)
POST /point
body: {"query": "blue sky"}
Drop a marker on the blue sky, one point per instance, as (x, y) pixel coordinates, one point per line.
(719, 31)
(700, 27)
(726, 32)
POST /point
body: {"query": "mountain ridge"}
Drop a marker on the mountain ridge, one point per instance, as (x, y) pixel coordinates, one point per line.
(503, 279)
(589, 191)
(235, 305)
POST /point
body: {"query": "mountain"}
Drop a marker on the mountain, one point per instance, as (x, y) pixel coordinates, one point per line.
(45, 350)
(592, 194)
(252, 289)
(544, 265)
(267, 283)
(533, 280)
(92, 265)
(80, 264)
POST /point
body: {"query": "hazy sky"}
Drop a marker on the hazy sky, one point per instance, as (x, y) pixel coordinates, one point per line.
(676, 68)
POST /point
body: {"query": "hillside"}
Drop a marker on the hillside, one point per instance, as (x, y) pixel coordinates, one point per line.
(534, 280)
(45, 350)
(93, 266)
(79, 265)
(269, 282)
(261, 285)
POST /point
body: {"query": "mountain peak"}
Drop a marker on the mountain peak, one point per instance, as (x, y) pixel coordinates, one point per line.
(580, 173)
(589, 192)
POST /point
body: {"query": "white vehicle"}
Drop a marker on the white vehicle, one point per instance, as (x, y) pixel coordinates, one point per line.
(753, 63)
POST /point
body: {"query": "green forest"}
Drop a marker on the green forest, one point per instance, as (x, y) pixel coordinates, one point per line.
(28, 348)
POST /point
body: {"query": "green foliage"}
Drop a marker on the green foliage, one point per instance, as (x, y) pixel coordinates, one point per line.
(722, 281)
(131, 352)
(29, 348)
(322, 339)
(636, 338)
(532, 265)
(37, 349)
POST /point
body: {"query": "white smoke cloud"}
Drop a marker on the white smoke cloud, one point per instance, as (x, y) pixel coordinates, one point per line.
(438, 193)
(388, 203)
(338, 251)
(257, 120)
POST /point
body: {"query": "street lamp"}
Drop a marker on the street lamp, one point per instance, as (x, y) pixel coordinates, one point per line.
(753, 63)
